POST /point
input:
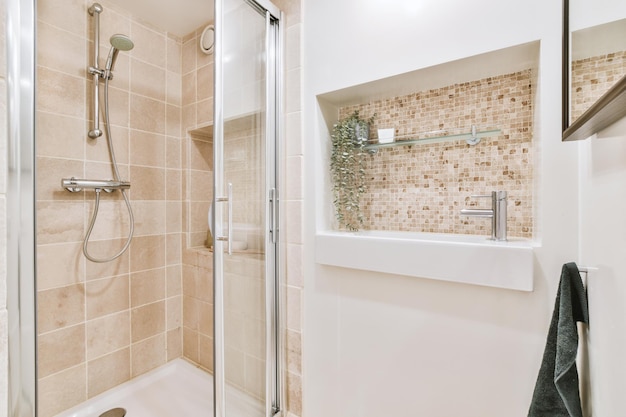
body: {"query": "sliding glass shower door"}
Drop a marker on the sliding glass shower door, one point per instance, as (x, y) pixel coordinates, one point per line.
(246, 350)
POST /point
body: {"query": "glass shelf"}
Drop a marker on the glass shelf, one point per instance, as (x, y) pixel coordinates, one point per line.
(437, 136)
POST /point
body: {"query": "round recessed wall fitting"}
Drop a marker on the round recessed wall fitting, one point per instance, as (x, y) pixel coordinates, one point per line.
(207, 40)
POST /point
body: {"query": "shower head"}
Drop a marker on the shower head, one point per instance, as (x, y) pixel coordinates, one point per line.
(122, 42)
(118, 43)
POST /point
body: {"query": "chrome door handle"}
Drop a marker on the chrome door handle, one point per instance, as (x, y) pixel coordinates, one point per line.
(229, 234)
(274, 214)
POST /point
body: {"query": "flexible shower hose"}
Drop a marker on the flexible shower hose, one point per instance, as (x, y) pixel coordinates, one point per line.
(107, 129)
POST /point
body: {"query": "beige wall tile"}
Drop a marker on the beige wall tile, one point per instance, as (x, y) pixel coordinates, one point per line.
(174, 312)
(205, 318)
(112, 222)
(174, 281)
(106, 249)
(205, 352)
(173, 248)
(147, 183)
(293, 97)
(65, 14)
(59, 265)
(189, 55)
(147, 114)
(173, 185)
(173, 114)
(148, 354)
(205, 112)
(201, 185)
(295, 275)
(60, 307)
(174, 344)
(174, 55)
(107, 296)
(107, 334)
(189, 116)
(59, 222)
(118, 107)
(113, 20)
(147, 252)
(205, 82)
(147, 149)
(293, 55)
(60, 93)
(173, 151)
(174, 95)
(50, 171)
(105, 170)
(293, 178)
(174, 225)
(147, 321)
(293, 309)
(150, 46)
(294, 352)
(147, 80)
(293, 134)
(72, 61)
(147, 287)
(62, 390)
(149, 217)
(61, 349)
(107, 372)
(61, 136)
(294, 393)
(190, 312)
(190, 344)
(189, 89)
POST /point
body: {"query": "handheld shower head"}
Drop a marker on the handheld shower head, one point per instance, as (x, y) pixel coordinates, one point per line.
(118, 43)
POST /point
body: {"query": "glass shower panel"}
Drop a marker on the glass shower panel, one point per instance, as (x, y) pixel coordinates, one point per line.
(244, 182)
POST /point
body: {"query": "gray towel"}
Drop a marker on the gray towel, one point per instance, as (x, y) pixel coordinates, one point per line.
(556, 392)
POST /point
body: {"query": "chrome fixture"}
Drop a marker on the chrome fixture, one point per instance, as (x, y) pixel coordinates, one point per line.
(74, 185)
(118, 43)
(473, 139)
(95, 11)
(497, 213)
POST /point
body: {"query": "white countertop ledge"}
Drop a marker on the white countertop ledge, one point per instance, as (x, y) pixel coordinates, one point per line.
(467, 259)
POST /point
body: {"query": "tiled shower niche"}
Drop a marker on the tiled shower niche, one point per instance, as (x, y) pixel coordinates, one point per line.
(423, 187)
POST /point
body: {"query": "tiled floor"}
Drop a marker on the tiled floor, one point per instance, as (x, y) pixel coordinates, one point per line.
(177, 389)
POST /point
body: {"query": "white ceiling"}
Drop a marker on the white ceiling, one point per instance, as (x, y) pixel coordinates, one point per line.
(179, 17)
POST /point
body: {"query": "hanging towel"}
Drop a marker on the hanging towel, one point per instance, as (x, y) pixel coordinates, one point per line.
(556, 392)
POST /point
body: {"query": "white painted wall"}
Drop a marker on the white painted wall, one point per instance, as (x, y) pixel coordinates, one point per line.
(377, 344)
(603, 240)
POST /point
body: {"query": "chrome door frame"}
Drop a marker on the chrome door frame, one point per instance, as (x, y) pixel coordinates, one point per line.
(20, 210)
(274, 85)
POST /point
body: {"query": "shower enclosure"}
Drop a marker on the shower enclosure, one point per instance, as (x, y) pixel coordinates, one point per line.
(197, 135)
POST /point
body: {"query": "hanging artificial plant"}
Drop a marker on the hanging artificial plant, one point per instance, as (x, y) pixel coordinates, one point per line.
(347, 165)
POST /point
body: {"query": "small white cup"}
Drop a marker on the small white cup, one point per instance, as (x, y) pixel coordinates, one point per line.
(385, 135)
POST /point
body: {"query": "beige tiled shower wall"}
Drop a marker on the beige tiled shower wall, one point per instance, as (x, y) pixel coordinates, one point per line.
(3, 232)
(101, 324)
(422, 188)
(592, 77)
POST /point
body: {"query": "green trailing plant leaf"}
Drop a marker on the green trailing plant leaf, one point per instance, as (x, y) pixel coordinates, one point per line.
(347, 165)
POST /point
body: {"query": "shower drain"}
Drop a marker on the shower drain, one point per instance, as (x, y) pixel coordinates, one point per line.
(114, 412)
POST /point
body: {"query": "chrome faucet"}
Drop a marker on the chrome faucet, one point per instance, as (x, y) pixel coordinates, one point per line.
(497, 213)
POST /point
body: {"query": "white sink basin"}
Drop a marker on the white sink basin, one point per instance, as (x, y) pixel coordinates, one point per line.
(459, 258)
